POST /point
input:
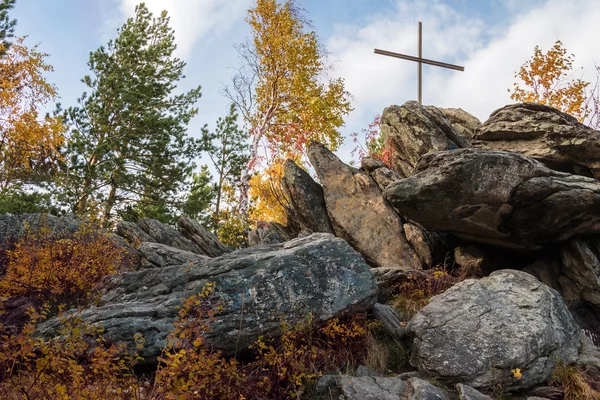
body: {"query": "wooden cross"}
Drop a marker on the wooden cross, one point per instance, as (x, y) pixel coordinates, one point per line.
(420, 61)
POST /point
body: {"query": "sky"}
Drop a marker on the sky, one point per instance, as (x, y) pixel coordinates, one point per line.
(490, 38)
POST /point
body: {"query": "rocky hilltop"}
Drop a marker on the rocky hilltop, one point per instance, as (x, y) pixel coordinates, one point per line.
(515, 198)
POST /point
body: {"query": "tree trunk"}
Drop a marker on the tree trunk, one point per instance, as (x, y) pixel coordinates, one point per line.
(245, 179)
(110, 202)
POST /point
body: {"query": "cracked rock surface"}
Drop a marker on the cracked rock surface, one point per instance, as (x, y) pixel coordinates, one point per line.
(544, 133)
(258, 288)
(413, 130)
(479, 330)
(497, 197)
(360, 214)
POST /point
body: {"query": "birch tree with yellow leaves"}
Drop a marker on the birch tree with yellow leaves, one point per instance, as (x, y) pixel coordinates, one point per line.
(28, 144)
(282, 89)
(547, 79)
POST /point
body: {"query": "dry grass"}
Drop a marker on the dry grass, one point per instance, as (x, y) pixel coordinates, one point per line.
(574, 383)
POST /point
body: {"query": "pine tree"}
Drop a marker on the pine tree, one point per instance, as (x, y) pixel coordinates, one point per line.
(128, 140)
(199, 200)
(7, 25)
(229, 156)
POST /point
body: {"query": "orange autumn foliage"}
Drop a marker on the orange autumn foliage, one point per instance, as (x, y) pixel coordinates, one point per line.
(27, 143)
(49, 266)
(546, 80)
(281, 369)
(79, 364)
(66, 367)
(269, 201)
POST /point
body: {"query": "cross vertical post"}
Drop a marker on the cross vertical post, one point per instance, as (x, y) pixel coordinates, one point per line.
(420, 64)
(420, 61)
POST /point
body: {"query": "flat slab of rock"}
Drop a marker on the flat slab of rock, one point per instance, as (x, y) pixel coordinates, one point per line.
(257, 288)
(555, 138)
(345, 387)
(412, 130)
(479, 330)
(497, 197)
(360, 214)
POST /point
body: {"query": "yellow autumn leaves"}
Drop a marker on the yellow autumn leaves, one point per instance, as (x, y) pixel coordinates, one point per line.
(27, 142)
(547, 78)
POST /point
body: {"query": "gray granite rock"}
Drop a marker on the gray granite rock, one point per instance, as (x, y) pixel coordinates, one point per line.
(479, 330)
(257, 288)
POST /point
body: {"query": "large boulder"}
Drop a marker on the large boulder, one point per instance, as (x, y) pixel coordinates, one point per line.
(257, 288)
(306, 199)
(412, 130)
(544, 133)
(430, 247)
(497, 197)
(207, 242)
(479, 331)
(360, 214)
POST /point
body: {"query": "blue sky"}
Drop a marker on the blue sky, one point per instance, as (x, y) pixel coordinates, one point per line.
(490, 38)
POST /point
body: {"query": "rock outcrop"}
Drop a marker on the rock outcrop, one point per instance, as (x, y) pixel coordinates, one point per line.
(269, 233)
(156, 255)
(207, 242)
(412, 130)
(257, 289)
(478, 331)
(164, 234)
(464, 123)
(379, 172)
(15, 227)
(497, 197)
(580, 259)
(545, 134)
(151, 230)
(360, 214)
(306, 199)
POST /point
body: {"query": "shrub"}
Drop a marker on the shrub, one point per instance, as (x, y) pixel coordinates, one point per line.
(79, 364)
(281, 369)
(50, 266)
(417, 290)
(76, 364)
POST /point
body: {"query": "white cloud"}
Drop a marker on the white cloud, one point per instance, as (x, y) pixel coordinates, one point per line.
(195, 20)
(490, 55)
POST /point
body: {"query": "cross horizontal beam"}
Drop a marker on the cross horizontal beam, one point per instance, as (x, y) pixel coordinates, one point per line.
(418, 59)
